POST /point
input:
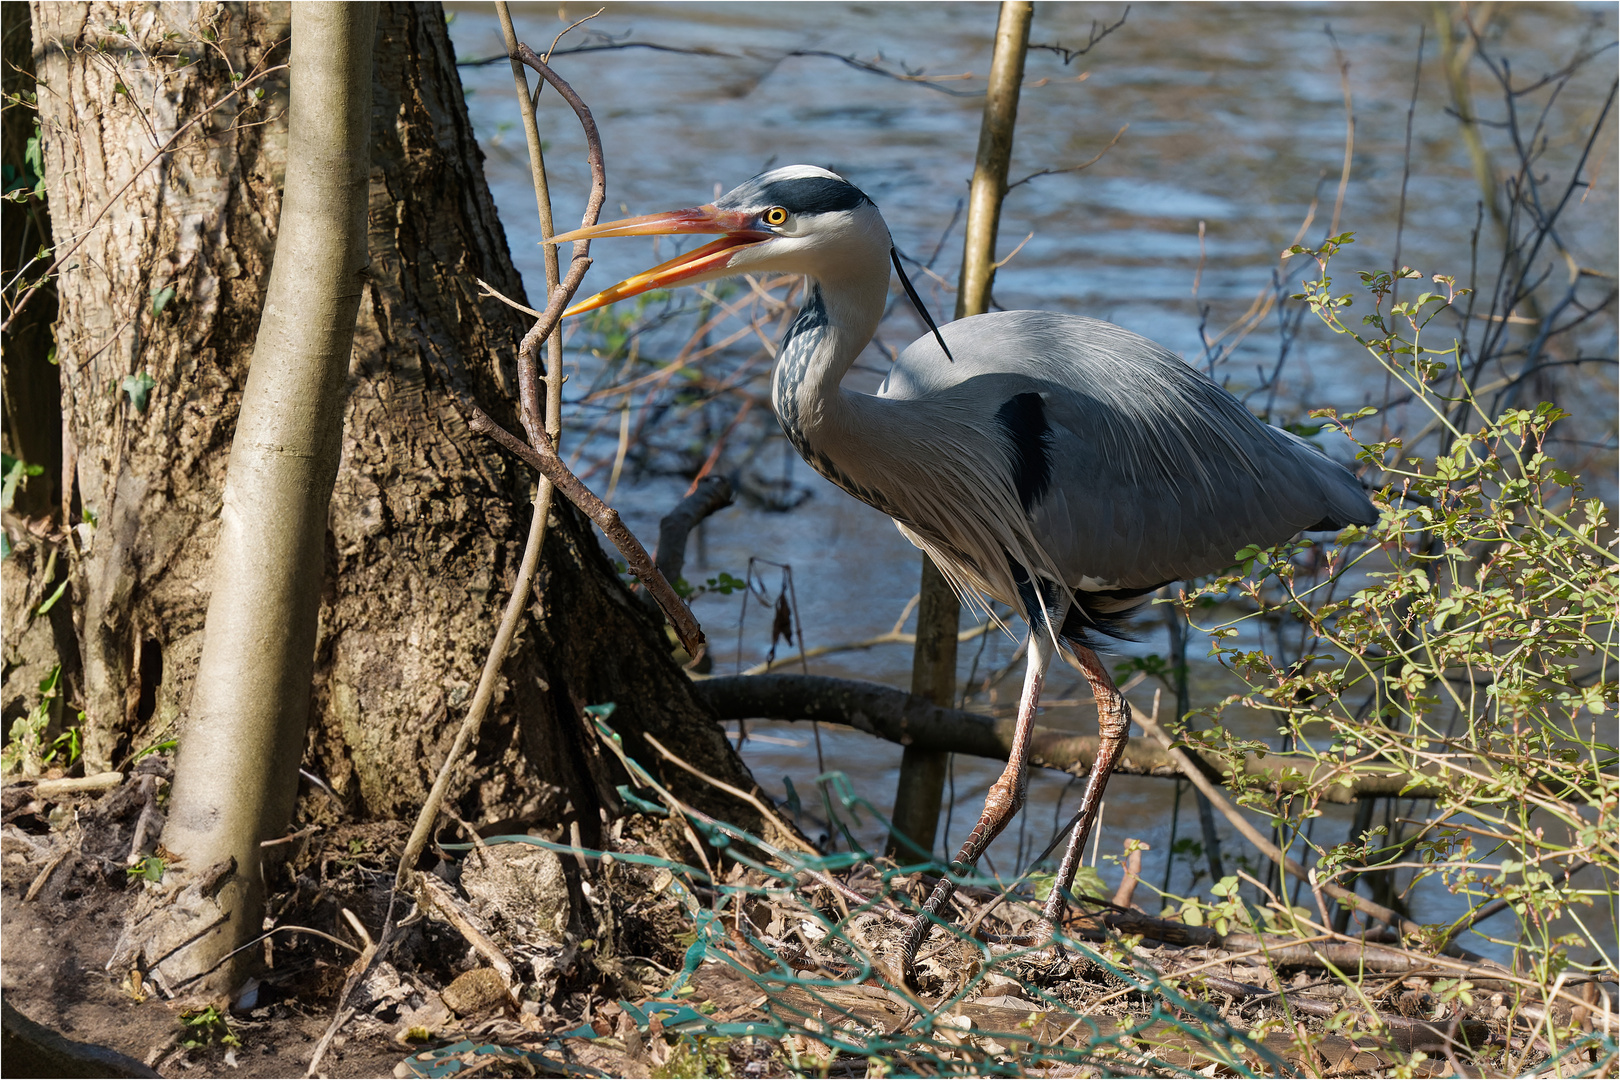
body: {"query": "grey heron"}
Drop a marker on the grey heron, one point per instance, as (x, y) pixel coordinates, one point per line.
(1061, 465)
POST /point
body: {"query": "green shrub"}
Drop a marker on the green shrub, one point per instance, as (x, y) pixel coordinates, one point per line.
(1468, 638)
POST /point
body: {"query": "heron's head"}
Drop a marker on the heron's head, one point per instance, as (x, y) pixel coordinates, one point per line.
(798, 220)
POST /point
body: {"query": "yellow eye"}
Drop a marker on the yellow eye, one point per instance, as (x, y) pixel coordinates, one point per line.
(774, 216)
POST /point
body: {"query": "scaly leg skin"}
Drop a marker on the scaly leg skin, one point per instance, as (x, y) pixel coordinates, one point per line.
(1005, 797)
(1113, 726)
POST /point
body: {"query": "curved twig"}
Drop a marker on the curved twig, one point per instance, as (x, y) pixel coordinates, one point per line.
(1071, 168)
(540, 452)
(544, 460)
(528, 378)
(709, 495)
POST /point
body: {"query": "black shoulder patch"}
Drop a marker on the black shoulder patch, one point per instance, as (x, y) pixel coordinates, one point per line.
(1023, 418)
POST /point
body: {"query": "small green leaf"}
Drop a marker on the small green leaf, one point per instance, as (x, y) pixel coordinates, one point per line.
(164, 747)
(15, 472)
(149, 869)
(139, 388)
(51, 600)
(205, 1027)
(1088, 882)
(67, 745)
(161, 298)
(34, 158)
(725, 584)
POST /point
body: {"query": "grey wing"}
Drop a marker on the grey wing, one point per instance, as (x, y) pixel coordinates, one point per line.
(1139, 500)
(1135, 469)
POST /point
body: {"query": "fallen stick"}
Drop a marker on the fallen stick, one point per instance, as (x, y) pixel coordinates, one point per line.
(1410, 1034)
(32, 1049)
(433, 894)
(71, 785)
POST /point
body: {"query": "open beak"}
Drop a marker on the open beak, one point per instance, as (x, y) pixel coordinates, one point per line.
(736, 231)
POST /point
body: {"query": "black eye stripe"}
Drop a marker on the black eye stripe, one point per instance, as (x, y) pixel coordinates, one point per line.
(815, 194)
(800, 195)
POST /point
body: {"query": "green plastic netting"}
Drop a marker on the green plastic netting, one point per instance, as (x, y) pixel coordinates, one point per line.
(832, 1005)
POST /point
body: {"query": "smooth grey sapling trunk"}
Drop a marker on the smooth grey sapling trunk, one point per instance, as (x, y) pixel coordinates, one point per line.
(236, 778)
(933, 669)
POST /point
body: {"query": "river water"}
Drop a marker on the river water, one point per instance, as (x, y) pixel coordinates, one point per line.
(1235, 127)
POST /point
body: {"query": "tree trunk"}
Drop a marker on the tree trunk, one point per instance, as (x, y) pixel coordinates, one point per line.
(198, 220)
(30, 645)
(426, 522)
(237, 776)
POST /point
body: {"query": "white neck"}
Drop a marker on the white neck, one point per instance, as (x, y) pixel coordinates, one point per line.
(834, 325)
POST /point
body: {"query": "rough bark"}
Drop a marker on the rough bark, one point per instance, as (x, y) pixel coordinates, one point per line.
(198, 220)
(425, 537)
(30, 644)
(426, 521)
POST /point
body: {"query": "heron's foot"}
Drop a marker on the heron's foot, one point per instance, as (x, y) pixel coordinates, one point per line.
(921, 925)
(1054, 952)
(1047, 942)
(1041, 959)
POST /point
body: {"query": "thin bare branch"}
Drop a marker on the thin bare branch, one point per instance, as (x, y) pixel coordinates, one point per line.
(641, 565)
(611, 46)
(932, 82)
(1098, 32)
(571, 26)
(495, 294)
(1098, 156)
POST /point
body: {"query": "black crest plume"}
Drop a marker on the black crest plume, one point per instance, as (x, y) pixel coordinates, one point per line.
(916, 302)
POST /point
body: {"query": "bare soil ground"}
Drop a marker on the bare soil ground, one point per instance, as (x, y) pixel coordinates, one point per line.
(64, 891)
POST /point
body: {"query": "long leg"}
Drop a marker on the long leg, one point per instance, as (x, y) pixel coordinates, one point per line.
(1005, 797)
(1113, 726)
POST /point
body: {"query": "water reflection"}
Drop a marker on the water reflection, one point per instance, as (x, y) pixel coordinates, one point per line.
(1236, 120)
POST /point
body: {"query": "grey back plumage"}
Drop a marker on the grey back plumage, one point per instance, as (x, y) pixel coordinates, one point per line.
(1133, 469)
